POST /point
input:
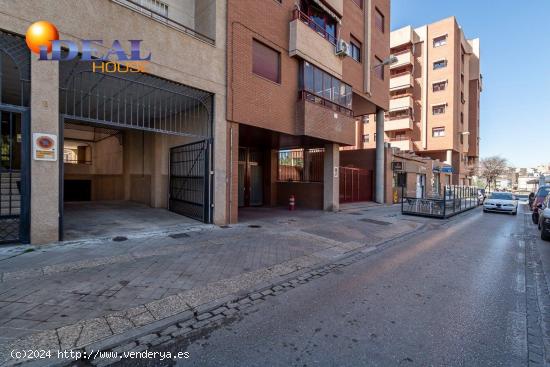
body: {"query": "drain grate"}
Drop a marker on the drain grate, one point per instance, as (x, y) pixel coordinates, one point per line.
(354, 213)
(374, 221)
(178, 235)
(254, 226)
(120, 238)
(225, 226)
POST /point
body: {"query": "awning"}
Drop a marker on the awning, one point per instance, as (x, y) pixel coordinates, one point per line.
(328, 10)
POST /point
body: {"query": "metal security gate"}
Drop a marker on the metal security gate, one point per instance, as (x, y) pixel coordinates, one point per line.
(190, 192)
(14, 139)
(14, 188)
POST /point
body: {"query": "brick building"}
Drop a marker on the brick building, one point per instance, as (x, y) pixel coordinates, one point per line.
(435, 88)
(299, 76)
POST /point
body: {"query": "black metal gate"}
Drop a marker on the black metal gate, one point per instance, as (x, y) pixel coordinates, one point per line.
(190, 187)
(14, 188)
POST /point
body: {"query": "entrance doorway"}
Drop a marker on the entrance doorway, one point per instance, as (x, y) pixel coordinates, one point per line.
(14, 190)
(420, 185)
(250, 177)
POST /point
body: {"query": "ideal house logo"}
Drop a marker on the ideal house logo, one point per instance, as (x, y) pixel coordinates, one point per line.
(43, 39)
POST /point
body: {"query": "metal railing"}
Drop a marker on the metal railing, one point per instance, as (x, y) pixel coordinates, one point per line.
(454, 200)
(162, 18)
(314, 98)
(304, 18)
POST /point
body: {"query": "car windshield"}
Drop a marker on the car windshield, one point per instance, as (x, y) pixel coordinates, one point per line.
(543, 191)
(501, 196)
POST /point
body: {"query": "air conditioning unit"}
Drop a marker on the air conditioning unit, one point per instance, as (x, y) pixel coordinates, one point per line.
(342, 48)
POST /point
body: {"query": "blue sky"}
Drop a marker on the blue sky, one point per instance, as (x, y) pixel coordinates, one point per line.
(515, 62)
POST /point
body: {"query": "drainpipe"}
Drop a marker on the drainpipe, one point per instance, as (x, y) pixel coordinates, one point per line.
(379, 184)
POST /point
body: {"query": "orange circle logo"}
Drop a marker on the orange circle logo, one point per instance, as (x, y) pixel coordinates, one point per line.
(41, 33)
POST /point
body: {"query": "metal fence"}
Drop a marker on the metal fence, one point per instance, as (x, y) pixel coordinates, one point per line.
(454, 200)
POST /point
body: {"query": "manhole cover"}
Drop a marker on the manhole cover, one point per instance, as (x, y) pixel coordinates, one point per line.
(178, 235)
(120, 238)
(374, 221)
(354, 213)
(254, 226)
(225, 226)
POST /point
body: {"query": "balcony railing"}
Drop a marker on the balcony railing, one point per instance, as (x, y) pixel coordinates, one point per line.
(314, 98)
(136, 6)
(304, 18)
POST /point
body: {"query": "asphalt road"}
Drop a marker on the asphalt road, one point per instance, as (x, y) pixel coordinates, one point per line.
(452, 296)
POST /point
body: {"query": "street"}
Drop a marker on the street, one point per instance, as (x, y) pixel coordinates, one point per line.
(453, 295)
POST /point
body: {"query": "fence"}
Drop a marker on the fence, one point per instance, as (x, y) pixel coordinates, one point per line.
(455, 200)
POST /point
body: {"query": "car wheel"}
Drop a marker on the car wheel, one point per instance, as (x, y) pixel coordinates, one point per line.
(535, 218)
(544, 236)
(515, 213)
(484, 210)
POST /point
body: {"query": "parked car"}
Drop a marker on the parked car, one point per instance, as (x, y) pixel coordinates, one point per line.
(541, 194)
(544, 219)
(480, 196)
(501, 202)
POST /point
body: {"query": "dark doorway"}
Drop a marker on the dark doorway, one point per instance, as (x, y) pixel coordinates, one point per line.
(77, 190)
(251, 182)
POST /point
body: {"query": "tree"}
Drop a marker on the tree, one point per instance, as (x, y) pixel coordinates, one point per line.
(491, 168)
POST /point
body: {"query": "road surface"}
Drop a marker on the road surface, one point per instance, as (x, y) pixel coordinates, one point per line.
(453, 295)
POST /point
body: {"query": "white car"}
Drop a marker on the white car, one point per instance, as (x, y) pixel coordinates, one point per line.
(501, 202)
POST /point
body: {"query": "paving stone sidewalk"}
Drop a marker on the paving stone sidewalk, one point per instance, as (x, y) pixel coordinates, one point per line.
(68, 295)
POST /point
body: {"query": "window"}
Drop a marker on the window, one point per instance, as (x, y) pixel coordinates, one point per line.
(355, 49)
(359, 3)
(440, 64)
(379, 20)
(440, 41)
(439, 86)
(462, 98)
(366, 138)
(266, 62)
(462, 140)
(438, 110)
(322, 22)
(302, 165)
(379, 68)
(438, 131)
(462, 117)
(322, 84)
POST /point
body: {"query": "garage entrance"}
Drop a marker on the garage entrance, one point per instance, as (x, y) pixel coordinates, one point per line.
(132, 142)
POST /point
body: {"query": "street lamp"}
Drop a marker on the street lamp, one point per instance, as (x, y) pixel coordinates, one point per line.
(392, 59)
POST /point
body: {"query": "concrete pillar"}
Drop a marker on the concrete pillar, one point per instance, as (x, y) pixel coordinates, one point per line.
(379, 184)
(220, 180)
(449, 158)
(44, 213)
(331, 181)
(158, 170)
(233, 172)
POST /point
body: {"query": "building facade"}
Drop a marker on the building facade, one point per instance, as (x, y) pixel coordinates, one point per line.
(435, 88)
(299, 76)
(155, 135)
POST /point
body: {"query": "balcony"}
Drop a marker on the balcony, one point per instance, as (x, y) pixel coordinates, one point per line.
(402, 36)
(404, 58)
(401, 81)
(313, 44)
(320, 118)
(401, 103)
(403, 144)
(399, 123)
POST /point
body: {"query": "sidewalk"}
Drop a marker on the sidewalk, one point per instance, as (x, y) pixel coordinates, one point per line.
(68, 295)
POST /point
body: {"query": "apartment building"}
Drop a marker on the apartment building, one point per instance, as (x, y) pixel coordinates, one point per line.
(435, 88)
(86, 132)
(300, 75)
